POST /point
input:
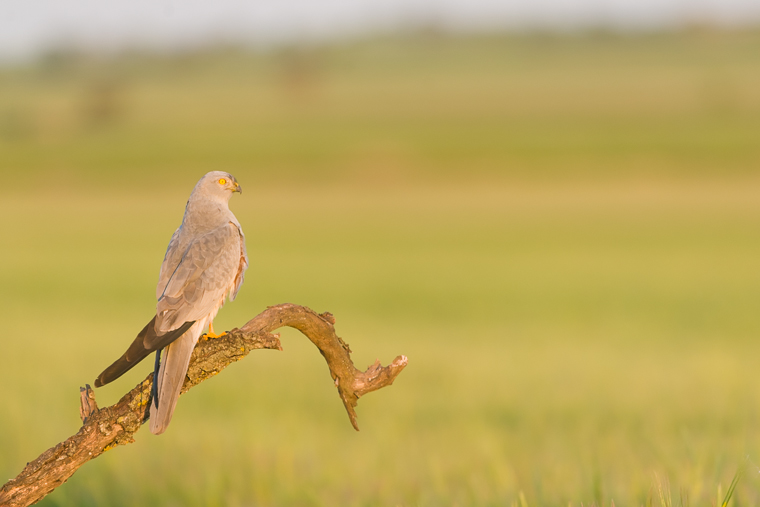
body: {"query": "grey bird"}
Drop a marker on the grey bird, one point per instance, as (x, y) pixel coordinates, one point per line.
(204, 264)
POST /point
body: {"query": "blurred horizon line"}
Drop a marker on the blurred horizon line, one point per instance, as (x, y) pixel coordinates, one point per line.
(70, 48)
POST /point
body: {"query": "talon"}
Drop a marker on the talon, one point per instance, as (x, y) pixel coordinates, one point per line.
(211, 335)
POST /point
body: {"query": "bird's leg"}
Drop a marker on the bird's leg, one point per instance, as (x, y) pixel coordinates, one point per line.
(211, 335)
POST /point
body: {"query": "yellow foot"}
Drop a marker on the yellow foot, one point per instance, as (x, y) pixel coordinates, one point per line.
(212, 336)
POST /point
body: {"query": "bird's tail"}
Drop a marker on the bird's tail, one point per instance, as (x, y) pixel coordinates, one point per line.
(171, 376)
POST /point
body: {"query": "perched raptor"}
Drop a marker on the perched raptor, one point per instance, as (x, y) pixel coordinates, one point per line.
(204, 264)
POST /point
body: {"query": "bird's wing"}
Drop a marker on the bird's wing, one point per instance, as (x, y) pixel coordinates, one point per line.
(172, 258)
(242, 266)
(211, 268)
(146, 342)
(202, 279)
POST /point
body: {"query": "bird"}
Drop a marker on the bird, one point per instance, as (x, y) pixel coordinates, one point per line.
(204, 265)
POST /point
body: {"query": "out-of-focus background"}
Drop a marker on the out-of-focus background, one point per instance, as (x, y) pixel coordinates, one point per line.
(553, 209)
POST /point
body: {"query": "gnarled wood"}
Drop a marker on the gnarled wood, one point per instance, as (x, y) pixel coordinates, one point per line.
(105, 428)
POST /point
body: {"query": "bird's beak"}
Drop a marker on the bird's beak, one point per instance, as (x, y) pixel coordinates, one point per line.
(238, 188)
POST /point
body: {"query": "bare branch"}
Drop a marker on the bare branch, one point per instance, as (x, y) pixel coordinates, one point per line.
(105, 428)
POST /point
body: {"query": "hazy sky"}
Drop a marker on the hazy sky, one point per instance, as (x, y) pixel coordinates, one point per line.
(30, 26)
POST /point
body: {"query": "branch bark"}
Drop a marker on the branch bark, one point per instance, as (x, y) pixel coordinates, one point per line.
(106, 428)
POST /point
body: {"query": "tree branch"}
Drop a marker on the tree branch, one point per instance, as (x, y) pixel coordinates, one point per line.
(105, 428)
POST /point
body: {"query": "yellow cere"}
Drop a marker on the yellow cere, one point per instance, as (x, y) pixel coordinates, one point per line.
(222, 181)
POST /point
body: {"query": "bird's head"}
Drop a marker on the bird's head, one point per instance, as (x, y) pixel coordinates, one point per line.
(218, 185)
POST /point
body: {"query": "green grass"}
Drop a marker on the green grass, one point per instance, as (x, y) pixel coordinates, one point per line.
(560, 233)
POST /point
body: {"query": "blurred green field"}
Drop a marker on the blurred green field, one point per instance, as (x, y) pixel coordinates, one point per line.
(561, 232)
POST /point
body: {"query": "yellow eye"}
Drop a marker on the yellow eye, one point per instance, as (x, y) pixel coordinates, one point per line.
(222, 181)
